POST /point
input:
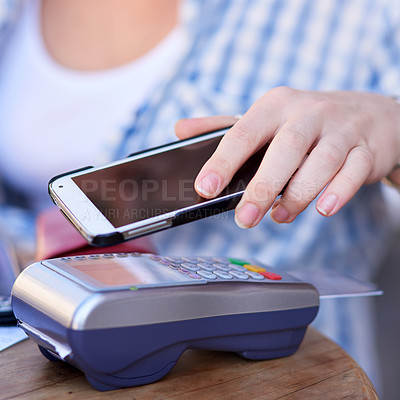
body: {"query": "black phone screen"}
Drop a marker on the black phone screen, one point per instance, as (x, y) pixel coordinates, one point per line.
(157, 184)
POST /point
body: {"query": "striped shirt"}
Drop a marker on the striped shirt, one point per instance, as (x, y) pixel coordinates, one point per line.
(239, 49)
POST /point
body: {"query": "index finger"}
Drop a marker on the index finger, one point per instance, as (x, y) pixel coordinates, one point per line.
(248, 135)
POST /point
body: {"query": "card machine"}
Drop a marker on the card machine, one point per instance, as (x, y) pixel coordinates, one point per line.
(125, 319)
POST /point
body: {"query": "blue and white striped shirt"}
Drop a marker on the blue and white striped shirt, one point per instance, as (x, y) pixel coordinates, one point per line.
(239, 49)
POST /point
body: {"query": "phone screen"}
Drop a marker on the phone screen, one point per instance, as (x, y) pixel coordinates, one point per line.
(154, 185)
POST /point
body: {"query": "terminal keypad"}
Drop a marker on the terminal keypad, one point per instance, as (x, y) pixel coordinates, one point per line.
(210, 268)
(217, 268)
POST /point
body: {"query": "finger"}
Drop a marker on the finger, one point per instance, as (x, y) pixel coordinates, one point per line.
(393, 179)
(347, 181)
(283, 157)
(247, 136)
(186, 128)
(320, 167)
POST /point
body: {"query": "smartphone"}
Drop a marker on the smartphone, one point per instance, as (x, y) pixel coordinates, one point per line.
(147, 192)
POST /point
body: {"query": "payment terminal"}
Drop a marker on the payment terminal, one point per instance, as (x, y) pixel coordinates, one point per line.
(125, 319)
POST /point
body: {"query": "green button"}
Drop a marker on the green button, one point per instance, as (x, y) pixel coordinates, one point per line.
(237, 261)
(133, 288)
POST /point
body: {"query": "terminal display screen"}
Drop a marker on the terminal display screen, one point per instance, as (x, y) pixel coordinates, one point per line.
(120, 272)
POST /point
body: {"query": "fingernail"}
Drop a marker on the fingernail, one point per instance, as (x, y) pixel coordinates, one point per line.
(209, 185)
(276, 204)
(279, 214)
(328, 203)
(246, 215)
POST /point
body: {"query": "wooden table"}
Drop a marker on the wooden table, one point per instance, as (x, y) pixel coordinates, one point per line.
(320, 369)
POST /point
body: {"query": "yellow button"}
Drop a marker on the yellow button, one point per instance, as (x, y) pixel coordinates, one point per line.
(254, 268)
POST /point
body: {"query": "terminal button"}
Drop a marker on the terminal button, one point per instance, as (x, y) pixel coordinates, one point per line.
(237, 267)
(271, 275)
(254, 268)
(194, 276)
(190, 266)
(239, 275)
(255, 275)
(223, 275)
(237, 261)
(222, 267)
(219, 259)
(173, 259)
(207, 275)
(206, 266)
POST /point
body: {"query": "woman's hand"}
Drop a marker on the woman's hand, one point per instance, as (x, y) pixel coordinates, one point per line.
(337, 141)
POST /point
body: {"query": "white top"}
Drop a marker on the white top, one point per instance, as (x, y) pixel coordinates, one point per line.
(54, 119)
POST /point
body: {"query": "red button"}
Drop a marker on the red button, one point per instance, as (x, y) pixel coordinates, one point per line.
(271, 275)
